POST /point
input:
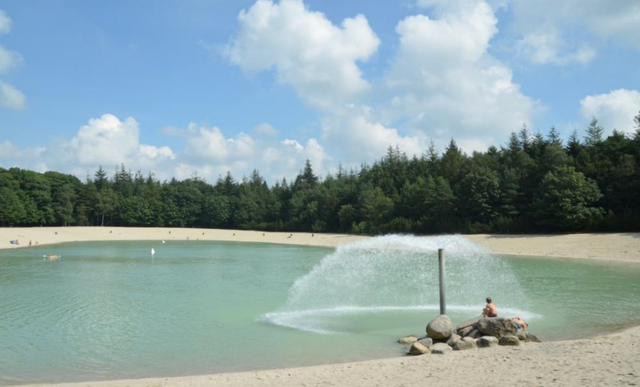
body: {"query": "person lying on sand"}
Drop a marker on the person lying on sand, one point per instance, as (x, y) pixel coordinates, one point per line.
(520, 323)
(490, 310)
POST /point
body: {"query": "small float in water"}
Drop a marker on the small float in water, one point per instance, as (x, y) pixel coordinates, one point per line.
(51, 257)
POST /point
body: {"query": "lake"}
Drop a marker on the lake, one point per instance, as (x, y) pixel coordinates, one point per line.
(111, 310)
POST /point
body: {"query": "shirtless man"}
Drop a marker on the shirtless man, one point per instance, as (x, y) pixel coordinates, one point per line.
(490, 310)
(520, 323)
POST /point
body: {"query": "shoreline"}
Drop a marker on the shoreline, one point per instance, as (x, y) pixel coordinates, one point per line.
(614, 247)
(608, 359)
(611, 357)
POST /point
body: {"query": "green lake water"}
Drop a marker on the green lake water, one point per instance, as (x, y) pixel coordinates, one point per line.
(109, 310)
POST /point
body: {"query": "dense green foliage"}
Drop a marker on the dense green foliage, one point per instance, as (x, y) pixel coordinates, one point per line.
(533, 184)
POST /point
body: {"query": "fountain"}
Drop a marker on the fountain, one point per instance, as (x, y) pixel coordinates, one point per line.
(398, 274)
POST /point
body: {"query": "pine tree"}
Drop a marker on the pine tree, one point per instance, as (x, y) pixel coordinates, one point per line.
(594, 133)
(554, 137)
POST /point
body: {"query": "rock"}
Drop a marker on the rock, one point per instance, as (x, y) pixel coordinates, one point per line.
(461, 345)
(475, 334)
(487, 341)
(466, 330)
(453, 339)
(418, 349)
(427, 342)
(533, 338)
(469, 323)
(474, 342)
(509, 340)
(408, 339)
(497, 326)
(440, 328)
(440, 348)
(521, 335)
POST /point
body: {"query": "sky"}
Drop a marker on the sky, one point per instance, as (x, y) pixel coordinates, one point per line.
(199, 88)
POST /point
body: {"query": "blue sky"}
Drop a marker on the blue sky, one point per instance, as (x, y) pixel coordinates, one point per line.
(202, 87)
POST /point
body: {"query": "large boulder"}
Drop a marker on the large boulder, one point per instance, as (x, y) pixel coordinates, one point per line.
(440, 328)
(509, 340)
(487, 341)
(469, 323)
(497, 326)
(418, 349)
(408, 339)
(440, 348)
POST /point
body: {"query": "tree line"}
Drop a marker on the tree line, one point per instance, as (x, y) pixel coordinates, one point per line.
(534, 183)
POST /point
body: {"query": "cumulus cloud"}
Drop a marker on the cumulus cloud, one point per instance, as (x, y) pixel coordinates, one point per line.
(317, 58)
(11, 98)
(447, 83)
(107, 141)
(614, 110)
(360, 137)
(209, 153)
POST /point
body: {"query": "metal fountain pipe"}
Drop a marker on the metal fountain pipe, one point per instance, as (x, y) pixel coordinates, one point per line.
(443, 301)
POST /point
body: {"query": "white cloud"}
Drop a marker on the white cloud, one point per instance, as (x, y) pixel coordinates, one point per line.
(5, 22)
(359, 137)
(614, 110)
(545, 23)
(545, 46)
(11, 98)
(8, 59)
(307, 51)
(210, 153)
(209, 143)
(448, 85)
(107, 141)
(12, 156)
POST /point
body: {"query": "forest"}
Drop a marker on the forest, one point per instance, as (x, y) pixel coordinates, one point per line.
(534, 183)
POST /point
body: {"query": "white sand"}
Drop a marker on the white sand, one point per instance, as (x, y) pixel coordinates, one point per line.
(612, 360)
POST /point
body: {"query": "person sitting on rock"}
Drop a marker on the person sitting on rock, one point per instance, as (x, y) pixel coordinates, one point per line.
(520, 323)
(490, 310)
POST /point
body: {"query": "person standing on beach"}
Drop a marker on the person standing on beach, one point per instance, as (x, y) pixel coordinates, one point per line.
(490, 310)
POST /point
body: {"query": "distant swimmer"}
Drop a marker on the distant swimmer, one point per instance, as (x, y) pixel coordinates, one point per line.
(153, 251)
(163, 241)
(51, 257)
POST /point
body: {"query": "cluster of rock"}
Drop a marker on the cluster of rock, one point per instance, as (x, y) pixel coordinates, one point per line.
(479, 332)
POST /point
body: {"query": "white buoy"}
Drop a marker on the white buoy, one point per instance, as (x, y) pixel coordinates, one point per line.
(153, 251)
(163, 241)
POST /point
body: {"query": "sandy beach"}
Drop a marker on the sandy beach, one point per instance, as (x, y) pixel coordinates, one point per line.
(624, 247)
(611, 359)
